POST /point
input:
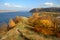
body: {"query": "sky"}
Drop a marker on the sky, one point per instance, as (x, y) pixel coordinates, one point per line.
(27, 4)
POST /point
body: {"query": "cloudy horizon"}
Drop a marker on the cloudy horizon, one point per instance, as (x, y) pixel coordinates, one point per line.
(27, 4)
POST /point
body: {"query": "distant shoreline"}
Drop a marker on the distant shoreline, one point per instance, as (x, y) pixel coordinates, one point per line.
(7, 11)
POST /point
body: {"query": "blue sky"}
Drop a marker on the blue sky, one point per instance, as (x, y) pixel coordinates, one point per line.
(27, 4)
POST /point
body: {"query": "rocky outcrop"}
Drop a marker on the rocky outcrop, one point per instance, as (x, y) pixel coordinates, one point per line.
(11, 23)
(17, 19)
(24, 31)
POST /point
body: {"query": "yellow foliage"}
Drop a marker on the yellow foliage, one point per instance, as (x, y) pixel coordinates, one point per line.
(47, 22)
(36, 14)
(43, 24)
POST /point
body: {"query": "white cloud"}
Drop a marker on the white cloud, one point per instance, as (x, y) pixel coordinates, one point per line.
(7, 4)
(48, 4)
(12, 5)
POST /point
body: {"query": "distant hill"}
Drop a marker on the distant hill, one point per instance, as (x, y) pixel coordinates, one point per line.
(52, 9)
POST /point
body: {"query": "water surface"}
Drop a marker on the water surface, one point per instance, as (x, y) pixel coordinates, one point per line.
(5, 16)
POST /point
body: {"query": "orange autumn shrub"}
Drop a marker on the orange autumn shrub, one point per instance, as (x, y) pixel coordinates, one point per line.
(46, 27)
(33, 18)
(47, 32)
(44, 24)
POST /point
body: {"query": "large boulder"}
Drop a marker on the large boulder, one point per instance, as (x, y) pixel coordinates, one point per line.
(11, 23)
